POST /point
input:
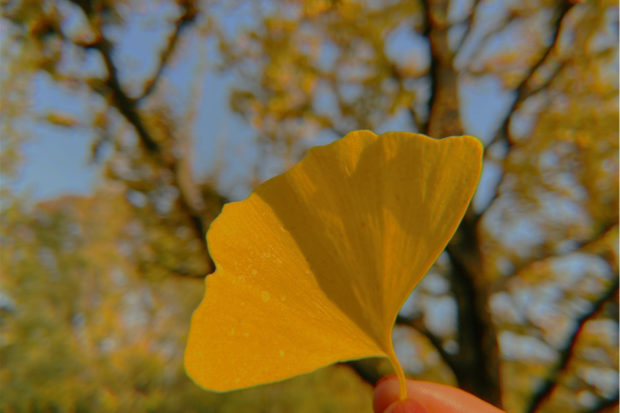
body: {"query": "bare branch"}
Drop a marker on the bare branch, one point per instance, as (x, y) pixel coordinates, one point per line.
(125, 105)
(128, 108)
(397, 75)
(470, 23)
(418, 325)
(605, 403)
(561, 65)
(482, 43)
(553, 377)
(523, 90)
(580, 246)
(183, 22)
(550, 79)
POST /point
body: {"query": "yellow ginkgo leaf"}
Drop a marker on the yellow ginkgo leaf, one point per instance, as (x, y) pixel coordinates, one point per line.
(313, 267)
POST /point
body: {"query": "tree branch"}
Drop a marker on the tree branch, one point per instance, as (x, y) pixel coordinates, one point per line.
(581, 246)
(396, 75)
(418, 325)
(523, 91)
(186, 18)
(127, 107)
(475, 55)
(551, 381)
(129, 110)
(470, 22)
(124, 104)
(604, 403)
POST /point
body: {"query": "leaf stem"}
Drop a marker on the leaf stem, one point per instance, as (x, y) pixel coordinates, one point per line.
(402, 380)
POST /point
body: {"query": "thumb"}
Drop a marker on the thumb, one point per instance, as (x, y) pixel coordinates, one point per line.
(431, 397)
(405, 406)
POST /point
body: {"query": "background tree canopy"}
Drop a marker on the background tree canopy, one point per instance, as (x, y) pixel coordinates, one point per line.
(97, 290)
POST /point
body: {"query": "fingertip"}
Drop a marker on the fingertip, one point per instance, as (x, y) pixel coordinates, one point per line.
(437, 397)
(387, 398)
(386, 393)
(406, 406)
(430, 397)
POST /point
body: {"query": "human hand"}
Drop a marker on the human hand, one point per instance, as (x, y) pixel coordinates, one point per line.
(426, 397)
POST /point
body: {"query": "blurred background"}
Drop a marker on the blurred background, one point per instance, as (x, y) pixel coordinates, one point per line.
(127, 124)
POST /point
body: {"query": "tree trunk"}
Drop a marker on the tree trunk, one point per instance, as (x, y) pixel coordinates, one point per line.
(476, 365)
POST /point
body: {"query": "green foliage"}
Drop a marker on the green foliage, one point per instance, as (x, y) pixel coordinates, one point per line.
(84, 332)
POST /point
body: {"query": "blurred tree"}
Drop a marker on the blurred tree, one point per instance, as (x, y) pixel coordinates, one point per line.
(84, 331)
(547, 206)
(522, 309)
